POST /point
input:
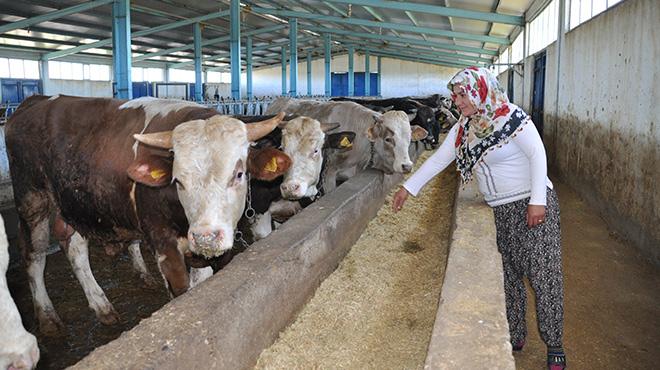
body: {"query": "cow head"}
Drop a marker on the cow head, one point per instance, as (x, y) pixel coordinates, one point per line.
(303, 139)
(209, 166)
(391, 135)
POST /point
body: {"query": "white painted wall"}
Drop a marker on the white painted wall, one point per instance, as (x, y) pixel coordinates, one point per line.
(603, 139)
(400, 78)
(78, 88)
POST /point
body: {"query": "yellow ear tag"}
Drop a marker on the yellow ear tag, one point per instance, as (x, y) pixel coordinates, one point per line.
(157, 174)
(345, 143)
(271, 166)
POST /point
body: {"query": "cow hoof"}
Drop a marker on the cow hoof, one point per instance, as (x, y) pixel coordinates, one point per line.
(149, 282)
(108, 318)
(51, 326)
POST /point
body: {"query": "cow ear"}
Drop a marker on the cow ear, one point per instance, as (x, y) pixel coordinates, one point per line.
(340, 140)
(418, 133)
(267, 164)
(153, 171)
(411, 116)
(329, 126)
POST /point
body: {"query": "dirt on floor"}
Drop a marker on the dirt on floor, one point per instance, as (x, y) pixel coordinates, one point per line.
(123, 287)
(612, 297)
(377, 310)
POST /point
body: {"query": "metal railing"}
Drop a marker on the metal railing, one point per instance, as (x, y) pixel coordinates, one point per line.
(6, 110)
(250, 107)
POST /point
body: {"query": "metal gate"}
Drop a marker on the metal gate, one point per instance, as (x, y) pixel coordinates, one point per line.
(537, 97)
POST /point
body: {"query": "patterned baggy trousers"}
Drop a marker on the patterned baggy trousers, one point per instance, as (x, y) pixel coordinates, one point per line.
(535, 253)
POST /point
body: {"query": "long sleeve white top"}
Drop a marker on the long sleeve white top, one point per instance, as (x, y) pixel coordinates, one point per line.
(514, 171)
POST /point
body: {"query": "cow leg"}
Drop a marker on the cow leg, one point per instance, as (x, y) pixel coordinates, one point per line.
(35, 259)
(197, 275)
(140, 266)
(173, 269)
(18, 348)
(262, 226)
(77, 253)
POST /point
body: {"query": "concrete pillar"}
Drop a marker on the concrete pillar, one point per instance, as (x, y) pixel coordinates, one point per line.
(283, 70)
(367, 76)
(248, 58)
(309, 73)
(197, 40)
(293, 44)
(380, 74)
(351, 75)
(121, 48)
(235, 48)
(328, 76)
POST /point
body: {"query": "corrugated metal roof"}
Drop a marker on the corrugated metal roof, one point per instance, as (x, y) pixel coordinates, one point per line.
(377, 26)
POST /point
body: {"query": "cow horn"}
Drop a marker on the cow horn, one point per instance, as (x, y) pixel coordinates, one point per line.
(161, 139)
(257, 130)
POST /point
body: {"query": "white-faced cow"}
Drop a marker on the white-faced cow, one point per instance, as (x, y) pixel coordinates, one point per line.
(182, 183)
(303, 139)
(18, 348)
(381, 140)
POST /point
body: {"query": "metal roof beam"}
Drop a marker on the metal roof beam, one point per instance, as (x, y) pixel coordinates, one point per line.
(414, 21)
(466, 49)
(431, 53)
(411, 53)
(414, 58)
(25, 23)
(164, 27)
(438, 10)
(378, 18)
(213, 41)
(395, 26)
(254, 48)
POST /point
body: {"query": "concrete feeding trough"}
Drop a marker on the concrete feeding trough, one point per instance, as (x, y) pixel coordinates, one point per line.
(228, 320)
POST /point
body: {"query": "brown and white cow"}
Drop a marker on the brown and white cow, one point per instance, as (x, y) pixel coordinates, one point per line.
(77, 158)
(18, 348)
(381, 141)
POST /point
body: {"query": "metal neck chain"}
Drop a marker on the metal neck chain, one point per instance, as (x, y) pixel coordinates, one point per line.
(238, 237)
(249, 211)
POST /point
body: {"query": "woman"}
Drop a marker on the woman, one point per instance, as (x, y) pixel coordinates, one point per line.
(499, 142)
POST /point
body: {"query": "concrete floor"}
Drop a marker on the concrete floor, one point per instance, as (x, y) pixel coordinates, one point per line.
(611, 302)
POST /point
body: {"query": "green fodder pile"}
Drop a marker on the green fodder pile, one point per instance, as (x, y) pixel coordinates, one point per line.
(377, 310)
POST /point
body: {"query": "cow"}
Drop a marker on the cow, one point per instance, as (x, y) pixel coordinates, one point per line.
(418, 113)
(18, 348)
(381, 140)
(304, 140)
(170, 173)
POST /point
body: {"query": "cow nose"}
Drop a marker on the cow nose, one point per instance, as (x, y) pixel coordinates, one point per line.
(406, 168)
(289, 187)
(207, 238)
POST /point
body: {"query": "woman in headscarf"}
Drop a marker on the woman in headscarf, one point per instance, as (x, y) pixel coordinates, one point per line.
(497, 141)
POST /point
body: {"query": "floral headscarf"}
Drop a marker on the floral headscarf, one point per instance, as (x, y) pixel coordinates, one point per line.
(495, 120)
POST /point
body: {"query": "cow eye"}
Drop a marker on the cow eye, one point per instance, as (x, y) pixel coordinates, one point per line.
(388, 140)
(239, 175)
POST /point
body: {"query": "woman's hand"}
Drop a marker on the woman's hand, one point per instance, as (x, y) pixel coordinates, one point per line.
(399, 199)
(535, 215)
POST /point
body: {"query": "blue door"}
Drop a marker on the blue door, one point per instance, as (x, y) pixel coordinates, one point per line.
(373, 84)
(537, 97)
(339, 84)
(16, 90)
(142, 89)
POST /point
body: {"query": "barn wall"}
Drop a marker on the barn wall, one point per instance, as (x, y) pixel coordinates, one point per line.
(604, 139)
(78, 88)
(400, 78)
